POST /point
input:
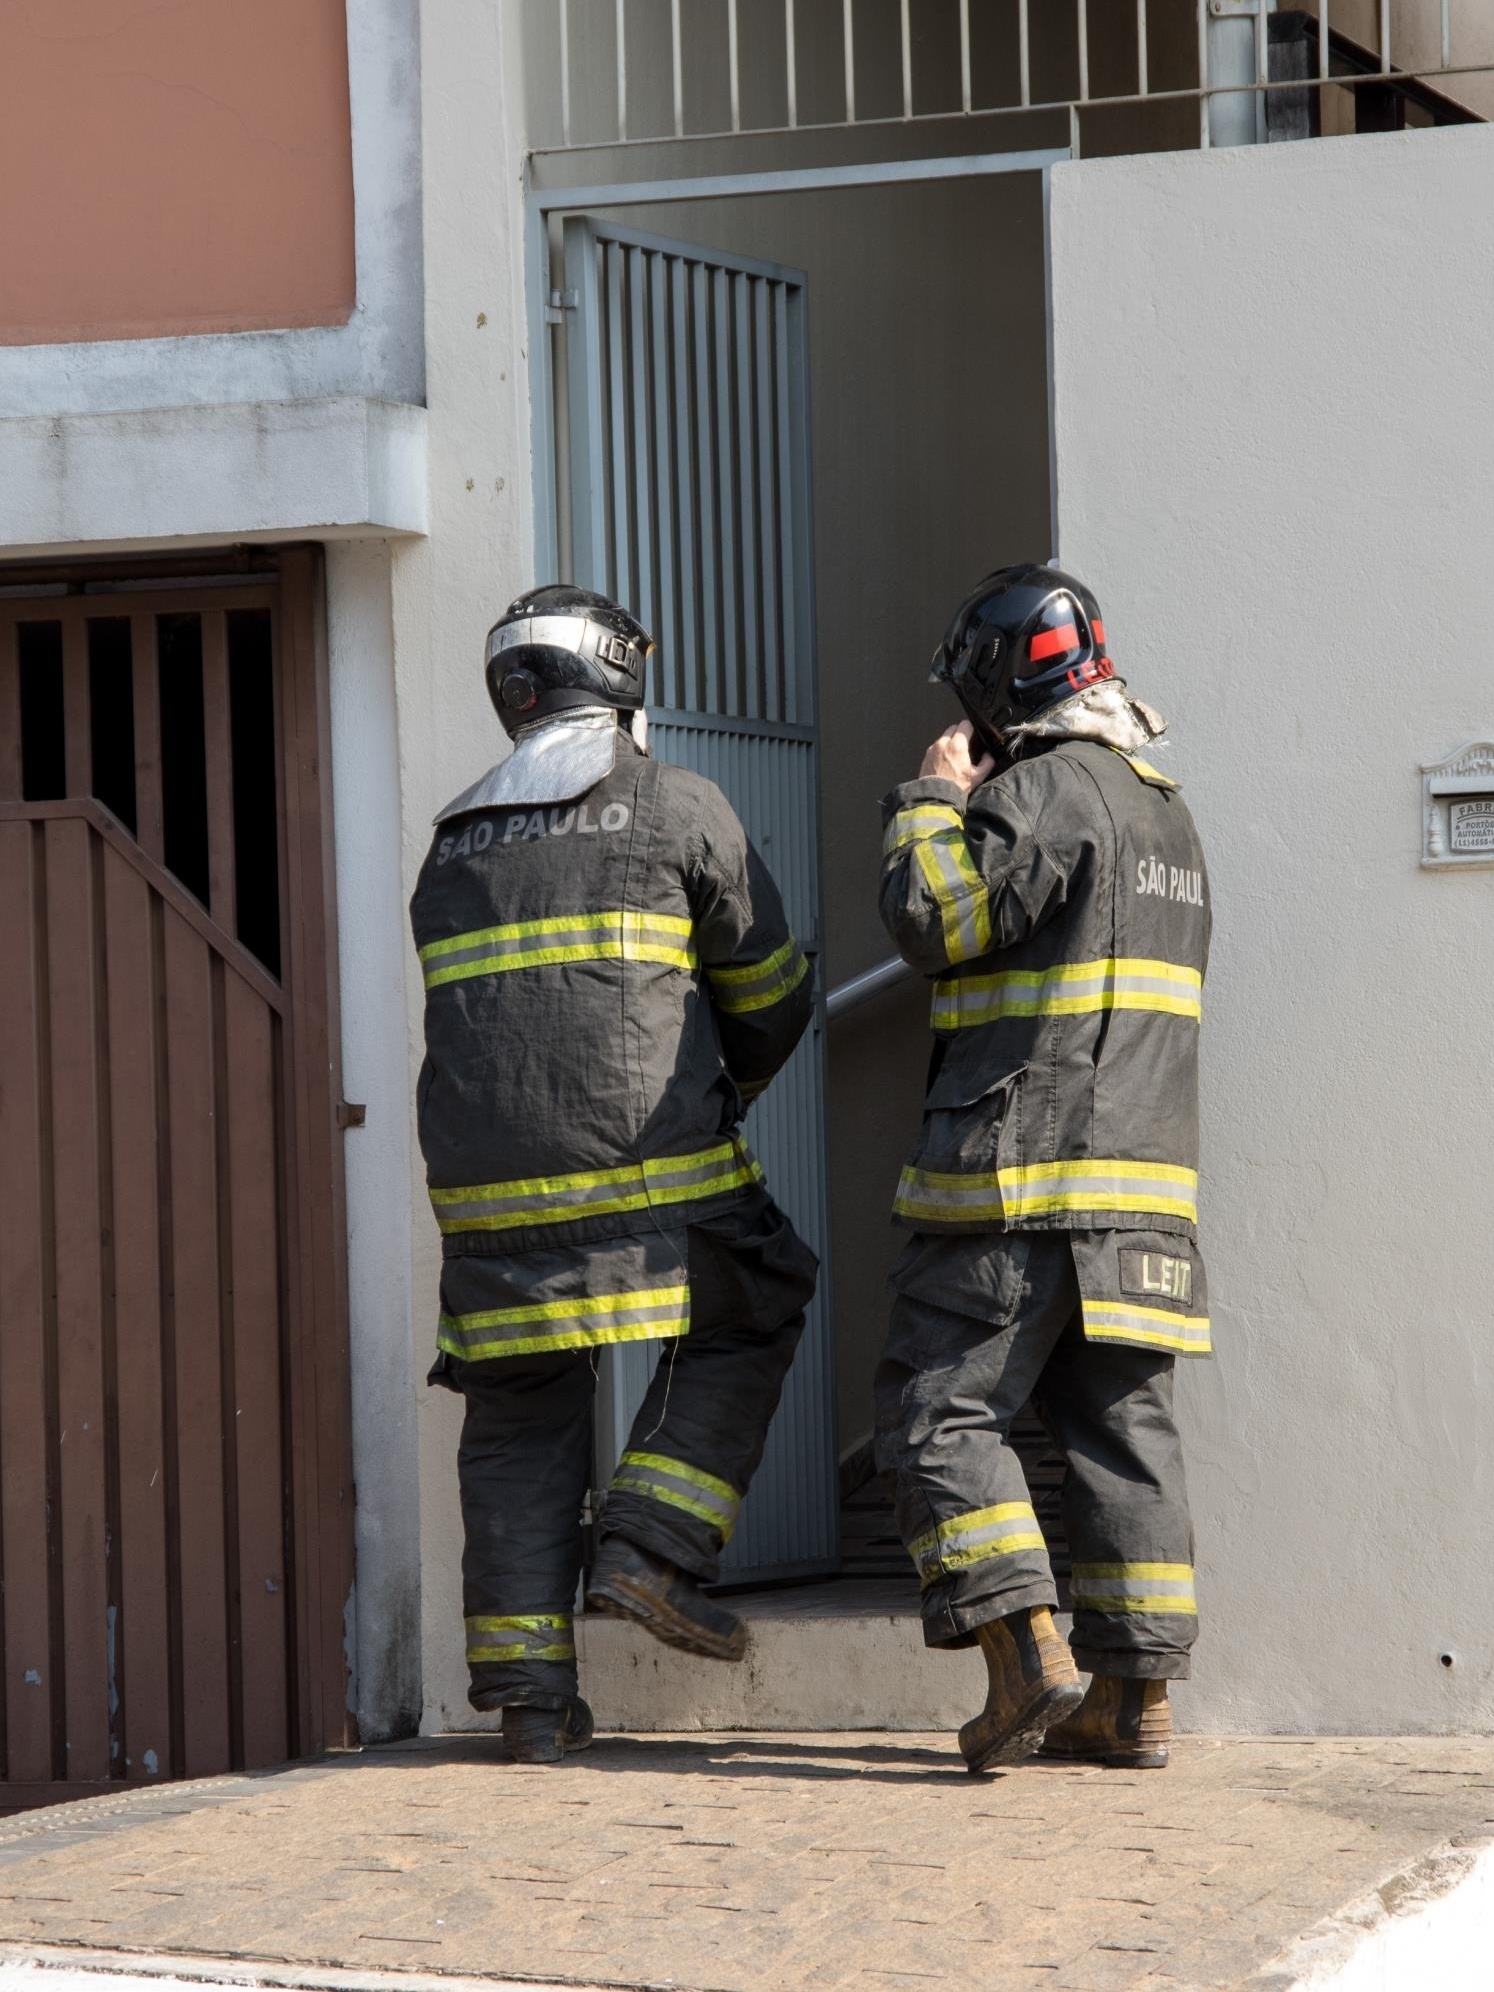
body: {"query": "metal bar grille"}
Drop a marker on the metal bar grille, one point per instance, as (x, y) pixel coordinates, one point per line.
(898, 69)
(685, 383)
(689, 477)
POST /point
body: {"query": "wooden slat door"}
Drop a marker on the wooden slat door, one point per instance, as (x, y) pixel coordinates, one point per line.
(175, 1485)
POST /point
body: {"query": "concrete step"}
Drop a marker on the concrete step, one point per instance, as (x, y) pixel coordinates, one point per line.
(847, 1654)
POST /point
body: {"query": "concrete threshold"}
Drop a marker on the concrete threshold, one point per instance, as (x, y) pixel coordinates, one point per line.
(845, 1654)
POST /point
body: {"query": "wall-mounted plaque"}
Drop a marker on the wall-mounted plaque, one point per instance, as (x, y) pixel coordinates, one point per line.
(1458, 807)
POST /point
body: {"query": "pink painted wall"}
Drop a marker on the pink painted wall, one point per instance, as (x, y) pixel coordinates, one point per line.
(173, 166)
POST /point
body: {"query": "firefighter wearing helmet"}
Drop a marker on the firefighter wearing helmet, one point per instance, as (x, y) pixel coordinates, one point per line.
(609, 980)
(1051, 882)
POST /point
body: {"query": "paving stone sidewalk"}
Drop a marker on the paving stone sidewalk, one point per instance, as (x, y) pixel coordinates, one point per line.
(750, 1863)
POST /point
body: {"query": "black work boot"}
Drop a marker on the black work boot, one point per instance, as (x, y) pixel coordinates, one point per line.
(628, 1582)
(1124, 1724)
(1033, 1684)
(544, 1735)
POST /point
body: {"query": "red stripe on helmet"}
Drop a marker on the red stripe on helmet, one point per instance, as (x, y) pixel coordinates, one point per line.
(1053, 642)
(1099, 629)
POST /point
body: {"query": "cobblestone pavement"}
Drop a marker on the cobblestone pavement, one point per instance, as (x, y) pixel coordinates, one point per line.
(747, 1863)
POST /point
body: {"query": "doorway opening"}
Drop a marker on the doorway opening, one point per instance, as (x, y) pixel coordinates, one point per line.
(921, 287)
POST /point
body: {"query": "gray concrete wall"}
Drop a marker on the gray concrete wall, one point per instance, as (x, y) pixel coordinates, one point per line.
(930, 438)
(1274, 400)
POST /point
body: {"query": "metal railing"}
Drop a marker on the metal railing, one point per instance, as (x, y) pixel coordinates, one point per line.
(1086, 60)
(859, 989)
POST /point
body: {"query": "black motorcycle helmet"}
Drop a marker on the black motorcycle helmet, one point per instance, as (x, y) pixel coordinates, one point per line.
(559, 647)
(1023, 640)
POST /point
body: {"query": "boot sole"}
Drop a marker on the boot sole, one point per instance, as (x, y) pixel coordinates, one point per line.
(1021, 1737)
(616, 1598)
(1112, 1760)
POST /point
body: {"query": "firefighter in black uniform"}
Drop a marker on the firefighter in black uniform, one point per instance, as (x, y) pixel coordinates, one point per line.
(609, 980)
(1062, 908)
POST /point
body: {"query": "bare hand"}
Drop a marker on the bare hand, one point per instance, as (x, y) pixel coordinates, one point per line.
(949, 758)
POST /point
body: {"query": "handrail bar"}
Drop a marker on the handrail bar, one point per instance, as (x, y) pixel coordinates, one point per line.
(861, 988)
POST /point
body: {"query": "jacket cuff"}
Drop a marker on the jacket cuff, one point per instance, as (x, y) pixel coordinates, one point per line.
(927, 788)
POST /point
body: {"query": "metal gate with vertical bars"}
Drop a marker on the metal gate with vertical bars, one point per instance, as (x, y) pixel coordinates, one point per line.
(175, 1484)
(688, 473)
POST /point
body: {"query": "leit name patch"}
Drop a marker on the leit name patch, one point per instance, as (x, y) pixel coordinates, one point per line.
(1157, 1276)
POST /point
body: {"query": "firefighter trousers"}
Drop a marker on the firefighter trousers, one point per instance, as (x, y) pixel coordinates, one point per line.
(525, 1461)
(979, 1326)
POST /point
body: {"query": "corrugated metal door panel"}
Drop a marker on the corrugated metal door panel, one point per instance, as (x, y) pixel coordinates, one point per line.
(689, 479)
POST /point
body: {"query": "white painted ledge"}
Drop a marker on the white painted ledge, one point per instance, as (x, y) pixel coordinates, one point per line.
(245, 470)
(1424, 1930)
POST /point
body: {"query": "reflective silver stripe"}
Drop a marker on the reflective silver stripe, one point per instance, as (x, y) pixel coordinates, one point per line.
(1102, 1183)
(960, 1002)
(1147, 1327)
(961, 895)
(556, 632)
(584, 1322)
(1134, 1587)
(678, 1485)
(590, 936)
(1145, 1589)
(978, 1192)
(978, 1536)
(499, 1639)
(922, 819)
(759, 985)
(666, 1179)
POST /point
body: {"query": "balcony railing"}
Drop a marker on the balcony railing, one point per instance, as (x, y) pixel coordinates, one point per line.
(621, 72)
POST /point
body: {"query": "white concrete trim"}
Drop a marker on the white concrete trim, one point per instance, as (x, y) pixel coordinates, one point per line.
(380, 351)
(252, 468)
(1428, 1926)
(51, 1968)
(372, 945)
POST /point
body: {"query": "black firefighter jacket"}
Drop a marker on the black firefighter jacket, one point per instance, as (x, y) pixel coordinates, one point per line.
(608, 982)
(1063, 909)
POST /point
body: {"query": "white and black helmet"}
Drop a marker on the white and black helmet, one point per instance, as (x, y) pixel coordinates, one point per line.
(559, 647)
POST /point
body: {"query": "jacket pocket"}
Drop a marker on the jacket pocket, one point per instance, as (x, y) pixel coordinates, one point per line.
(970, 1119)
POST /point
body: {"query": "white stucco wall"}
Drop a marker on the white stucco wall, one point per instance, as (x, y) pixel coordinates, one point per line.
(446, 592)
(1274, 404)
(382, 1310)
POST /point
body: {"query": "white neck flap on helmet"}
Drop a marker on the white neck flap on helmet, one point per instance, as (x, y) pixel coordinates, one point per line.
(554, 760)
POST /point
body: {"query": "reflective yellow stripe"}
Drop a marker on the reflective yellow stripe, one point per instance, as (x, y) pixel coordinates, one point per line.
(1148, 772)
(963, 902)
(679, 1485)
(584, 1322)
(1147, 1327)
(924, 819)
(549, 1637)
(760, 984)
(1041, 1189)
(612, 936)
(1044, 1188)
(516, 930)
(1112, 983)
(663, 1179)
(977, 1536)
(1148, 1588)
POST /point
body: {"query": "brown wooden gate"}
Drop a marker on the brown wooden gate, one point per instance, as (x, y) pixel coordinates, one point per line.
(175, 1480)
